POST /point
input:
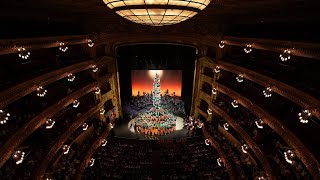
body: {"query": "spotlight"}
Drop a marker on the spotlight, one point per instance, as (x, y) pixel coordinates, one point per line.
(90, 43)
(217, 69)
(285, 55)
(267, 92)
(18, 156)
(304, 116)
(248, 48)
(71, 77)
(226, 126)
(65, 149)
(4, 117)
(41, 92)
(244, 148)
(76, 103)
(221, 44)
(23, 53)
(63, 47)
(94, 68)
(259, 124)
(234, 103)
(49, 123)
(239, 78)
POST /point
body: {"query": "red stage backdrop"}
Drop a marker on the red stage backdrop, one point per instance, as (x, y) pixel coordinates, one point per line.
(142, 81)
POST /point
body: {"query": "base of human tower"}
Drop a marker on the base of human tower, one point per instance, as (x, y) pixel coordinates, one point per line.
(156, 122)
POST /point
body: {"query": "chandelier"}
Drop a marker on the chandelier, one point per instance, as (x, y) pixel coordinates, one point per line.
(219, 161)
(244, 148)
(239, 78)
(259, 124)
(234, 103)
(71, 77)
(104, 142)
(49, 123)
(226, 126)
(4, 117)
(304, 116)
(65, 149)
(18, 156)
(288, 156)
(157, 12)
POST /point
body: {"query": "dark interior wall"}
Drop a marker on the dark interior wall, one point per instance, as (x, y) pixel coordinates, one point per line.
(156, 56)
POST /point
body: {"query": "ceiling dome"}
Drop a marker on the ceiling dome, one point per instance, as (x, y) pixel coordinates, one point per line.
(157, 12)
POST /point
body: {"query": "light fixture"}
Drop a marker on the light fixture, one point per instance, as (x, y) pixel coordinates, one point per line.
(200, 125)
(102, 111)
(226, 126)
(207, 142)
(288, 156)
(217, 69)
(221, 44)
(234, 103)
(285, 55)
(65, 149)
(267, 92)
(304, 116)
(85, 126)
(76, 103)
(71, 77)
(214, 91)
(248, 48)
(219, 161)
(97, 91)
(91, 162)
(18, 156)
(23, 53)
(49, 123)
(94, 68)
(63, 47)
(90, 43)
(209, 111)
(244, 148)
(4, 117)
(157, 12)
(261, 178)
(41, 92)
(104, 142)
(111, 125)
(239, 78)
(259, 124)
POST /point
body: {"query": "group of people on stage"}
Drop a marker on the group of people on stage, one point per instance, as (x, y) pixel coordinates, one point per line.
(152, 131)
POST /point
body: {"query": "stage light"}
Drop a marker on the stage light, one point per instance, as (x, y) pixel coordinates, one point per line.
(76, 103)
(4, 117)
(267, 92)
(23, 53)
(259, 124)
(234, 103)
(221, 44)
(219, 161)
(63, 47)
(41, 92)
(104, 142)
(49, 123)
(65, 149)
(244, 148)
(288, 156)
(226, 126)
(248, 48)
(207, 142)
(239, 78)
(152, 73)
(94, 68)
(217, 69)
(71, 77)
(285, 55)
(304, 116)
(97, 91)
(214, 91)
(91, 162)
(85, 126)
(90, 43)
(18, 156)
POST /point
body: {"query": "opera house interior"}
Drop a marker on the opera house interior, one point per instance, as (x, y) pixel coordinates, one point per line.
(159, 89)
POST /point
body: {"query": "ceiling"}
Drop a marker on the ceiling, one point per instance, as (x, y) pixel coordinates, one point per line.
(55, 17)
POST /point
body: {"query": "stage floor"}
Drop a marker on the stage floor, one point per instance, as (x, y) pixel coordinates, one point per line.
(125, 132)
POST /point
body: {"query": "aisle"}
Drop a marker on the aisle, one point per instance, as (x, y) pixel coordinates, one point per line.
(156, 162)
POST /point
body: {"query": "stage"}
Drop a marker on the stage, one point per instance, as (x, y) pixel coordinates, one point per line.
(126, 130)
